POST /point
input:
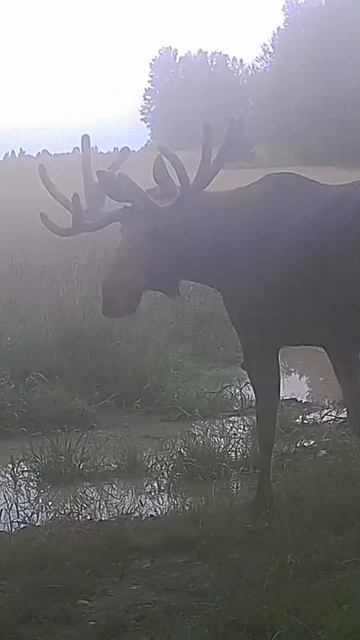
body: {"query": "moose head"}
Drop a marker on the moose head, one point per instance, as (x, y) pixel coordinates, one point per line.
(154, 239)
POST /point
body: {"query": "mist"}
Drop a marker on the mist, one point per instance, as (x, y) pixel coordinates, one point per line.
(179, 337)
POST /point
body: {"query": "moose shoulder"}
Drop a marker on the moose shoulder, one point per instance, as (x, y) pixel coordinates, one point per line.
(282, 251)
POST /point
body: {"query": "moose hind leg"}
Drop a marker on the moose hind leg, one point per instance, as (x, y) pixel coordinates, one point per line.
(346, 365)
(264, 374)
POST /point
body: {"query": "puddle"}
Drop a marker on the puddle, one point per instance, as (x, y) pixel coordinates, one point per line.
(167, 485)
(25, 500)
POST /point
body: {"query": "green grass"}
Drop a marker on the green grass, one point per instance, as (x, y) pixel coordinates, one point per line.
(208, 452)
(216, 571)
(65, 456)
(35, 404)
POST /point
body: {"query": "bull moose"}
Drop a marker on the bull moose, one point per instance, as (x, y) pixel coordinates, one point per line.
(282, 251)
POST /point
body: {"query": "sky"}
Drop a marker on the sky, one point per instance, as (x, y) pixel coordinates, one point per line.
(75, 65)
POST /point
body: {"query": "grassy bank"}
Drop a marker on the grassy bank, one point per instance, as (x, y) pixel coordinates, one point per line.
(214, 571)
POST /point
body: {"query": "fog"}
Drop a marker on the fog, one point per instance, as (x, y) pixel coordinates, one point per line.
(72, 67)
(131, 438)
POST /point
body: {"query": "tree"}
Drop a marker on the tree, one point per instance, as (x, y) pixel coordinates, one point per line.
(306, 97)
(184, 91)
(301, 94)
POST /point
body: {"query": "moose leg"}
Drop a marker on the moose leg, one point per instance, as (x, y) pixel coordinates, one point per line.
(264, 373)
(346, 365)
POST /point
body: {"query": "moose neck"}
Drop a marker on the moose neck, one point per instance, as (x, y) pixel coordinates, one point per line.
(204, 243)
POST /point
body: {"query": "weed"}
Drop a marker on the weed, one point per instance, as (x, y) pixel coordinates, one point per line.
(206, 453)
(63, 456)
(34, 404)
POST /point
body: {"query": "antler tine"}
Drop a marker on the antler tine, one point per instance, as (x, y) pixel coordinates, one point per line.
(206, 155)
(52, 189)
(178, 167)
(94, 196)
(78, 223)
(162, 177)
(77, 220)
(220, 157)
(119, 161)
(86, 163)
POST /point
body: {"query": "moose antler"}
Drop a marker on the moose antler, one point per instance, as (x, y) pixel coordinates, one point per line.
(95, 196)
(166, 189)
(92, 218)
(122, 188)
(208, 168)
(79, 223)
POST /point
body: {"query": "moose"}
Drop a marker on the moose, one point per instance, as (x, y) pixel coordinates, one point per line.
(282, 251)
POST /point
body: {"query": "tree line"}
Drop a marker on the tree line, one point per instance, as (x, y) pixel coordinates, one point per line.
(300, 97)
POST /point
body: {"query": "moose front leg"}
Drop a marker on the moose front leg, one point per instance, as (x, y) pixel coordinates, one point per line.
(264, 374)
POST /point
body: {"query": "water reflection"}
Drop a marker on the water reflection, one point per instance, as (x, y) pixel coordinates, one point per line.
(206, 452)
(215, 453)
(24, 501)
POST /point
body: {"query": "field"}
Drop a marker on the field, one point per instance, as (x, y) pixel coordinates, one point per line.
(94, 411)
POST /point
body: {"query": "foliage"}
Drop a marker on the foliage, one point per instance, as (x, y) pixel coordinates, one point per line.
(184, 91)
(34, 404)
(305, 88)
(300, 97)
(67, 456)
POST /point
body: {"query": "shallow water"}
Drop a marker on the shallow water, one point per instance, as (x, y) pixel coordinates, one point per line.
(24, 500)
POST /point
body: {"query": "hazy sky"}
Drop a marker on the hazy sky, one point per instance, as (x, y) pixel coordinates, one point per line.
(73, 62)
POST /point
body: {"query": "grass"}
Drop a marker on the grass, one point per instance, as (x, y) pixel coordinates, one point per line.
(206, 453)
(65, 456)
(215, 571)
(36, 404)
